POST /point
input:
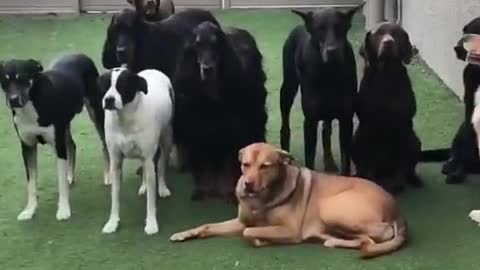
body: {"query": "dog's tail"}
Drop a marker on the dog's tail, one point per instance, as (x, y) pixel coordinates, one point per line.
(436, 155)
(369, 250)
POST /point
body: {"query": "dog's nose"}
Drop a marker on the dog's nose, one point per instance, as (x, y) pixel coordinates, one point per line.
(15, 101)
(249, 187)
(122, 53)
(109, 103)
(388, 39)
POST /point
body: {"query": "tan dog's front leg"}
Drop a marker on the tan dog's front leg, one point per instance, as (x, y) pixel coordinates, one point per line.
(226, 228)
(262, 236)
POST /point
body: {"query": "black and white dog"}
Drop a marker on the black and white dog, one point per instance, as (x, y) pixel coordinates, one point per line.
(43, 105)
(138, 116)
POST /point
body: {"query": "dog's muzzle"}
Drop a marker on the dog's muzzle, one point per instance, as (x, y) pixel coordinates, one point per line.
(109, 104)
(15, 101)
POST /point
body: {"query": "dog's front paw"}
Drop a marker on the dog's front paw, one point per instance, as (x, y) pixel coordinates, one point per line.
(106, 179)
(111, 226)
(71, 180)
(151, 227)
(163, 191)
(184, 236)
(26, 214)
(330, 243)
(63, 213)
(475, 216)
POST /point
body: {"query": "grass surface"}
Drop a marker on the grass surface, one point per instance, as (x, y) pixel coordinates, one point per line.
(441, 235)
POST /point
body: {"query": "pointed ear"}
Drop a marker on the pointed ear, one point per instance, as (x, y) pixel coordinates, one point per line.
(142, 85)
(306, 17)
(37, 65)
(285, 157)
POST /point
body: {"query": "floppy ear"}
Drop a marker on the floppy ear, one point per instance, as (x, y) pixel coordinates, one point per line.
(407, 50)
(306, 17)
(240, 154)
(104, 82)
(364, 49)
(37, 66)
(142, 85)
(285, 157)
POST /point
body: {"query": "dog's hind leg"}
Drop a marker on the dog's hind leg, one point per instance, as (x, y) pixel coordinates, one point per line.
(346, 137)
(71, 156)
(151, 226)
(162, 163)
(310, 142)
(29, 154)
(328, 160)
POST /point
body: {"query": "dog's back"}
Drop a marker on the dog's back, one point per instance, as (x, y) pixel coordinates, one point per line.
(160, 98)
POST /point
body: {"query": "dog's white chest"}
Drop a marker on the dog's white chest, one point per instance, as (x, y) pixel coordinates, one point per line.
(29, 131)
(128, 145)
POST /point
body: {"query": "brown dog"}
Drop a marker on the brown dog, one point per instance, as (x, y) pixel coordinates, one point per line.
(156, 10)
(283, 204)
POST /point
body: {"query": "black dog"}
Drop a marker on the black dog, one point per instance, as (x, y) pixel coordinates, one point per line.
(156, 10)
(43, 104)
(318, 57)
(220, 91)
(142, 45)
(385, 146)
(463, 155)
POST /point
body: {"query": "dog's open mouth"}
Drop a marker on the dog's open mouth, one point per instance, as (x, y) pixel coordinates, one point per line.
(472, 45)
(473, 58)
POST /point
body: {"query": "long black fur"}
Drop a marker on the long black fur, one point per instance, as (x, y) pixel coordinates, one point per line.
(214, 119)
(327, 79)
(155, 45)
(385, 146)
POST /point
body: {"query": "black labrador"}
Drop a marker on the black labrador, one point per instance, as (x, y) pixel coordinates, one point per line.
(318, 57)
(385, 147)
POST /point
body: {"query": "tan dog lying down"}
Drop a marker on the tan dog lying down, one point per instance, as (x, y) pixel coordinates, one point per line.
(283, 204)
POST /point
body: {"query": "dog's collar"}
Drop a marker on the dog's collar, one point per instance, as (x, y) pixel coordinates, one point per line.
(284, 199)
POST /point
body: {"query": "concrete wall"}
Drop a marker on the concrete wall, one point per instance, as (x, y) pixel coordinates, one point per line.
(435, 26)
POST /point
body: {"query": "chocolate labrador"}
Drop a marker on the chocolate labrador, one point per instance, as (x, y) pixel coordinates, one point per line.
(283, 204)
(156, 10)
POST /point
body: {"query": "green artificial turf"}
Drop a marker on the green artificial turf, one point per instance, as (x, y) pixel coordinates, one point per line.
(441, 236)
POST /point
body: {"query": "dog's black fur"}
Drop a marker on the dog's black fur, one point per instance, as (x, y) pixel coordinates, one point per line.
(385, 146)
(318, 57)
(57, 95)
(220, 91)
(142, 45)
(463, 156)
(156, 10)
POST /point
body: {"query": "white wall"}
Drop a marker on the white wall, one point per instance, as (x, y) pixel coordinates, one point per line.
(435, 26)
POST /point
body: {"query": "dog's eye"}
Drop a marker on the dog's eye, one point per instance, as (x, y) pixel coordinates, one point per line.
(246, 165)
(265, 165)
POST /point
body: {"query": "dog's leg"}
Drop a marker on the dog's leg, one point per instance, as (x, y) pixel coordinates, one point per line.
(226, 228)
(333, 242)
(151, 226)
(162, 163)
(261, 236)
(63, 211)
(346, 133)
(106, 167)
(29, 154)
(115, 177)
(328, 160)
(310, 142)
(71, 156)
(287, 96)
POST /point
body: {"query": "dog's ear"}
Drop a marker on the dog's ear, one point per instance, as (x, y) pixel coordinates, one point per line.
(36, 66)
(285, 157)
(364, 49)
(240, 154)
(306, 17)
(104, 82)
(142, 85)
(407, 50)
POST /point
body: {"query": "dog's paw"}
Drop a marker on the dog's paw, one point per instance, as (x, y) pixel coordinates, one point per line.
(26, 214)
(151, 227)
(63, 213)
(106, 180)
(184, 236)
(475, 215)
(163, 191)
(142, 190)
(111, 226)
(330, 243)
